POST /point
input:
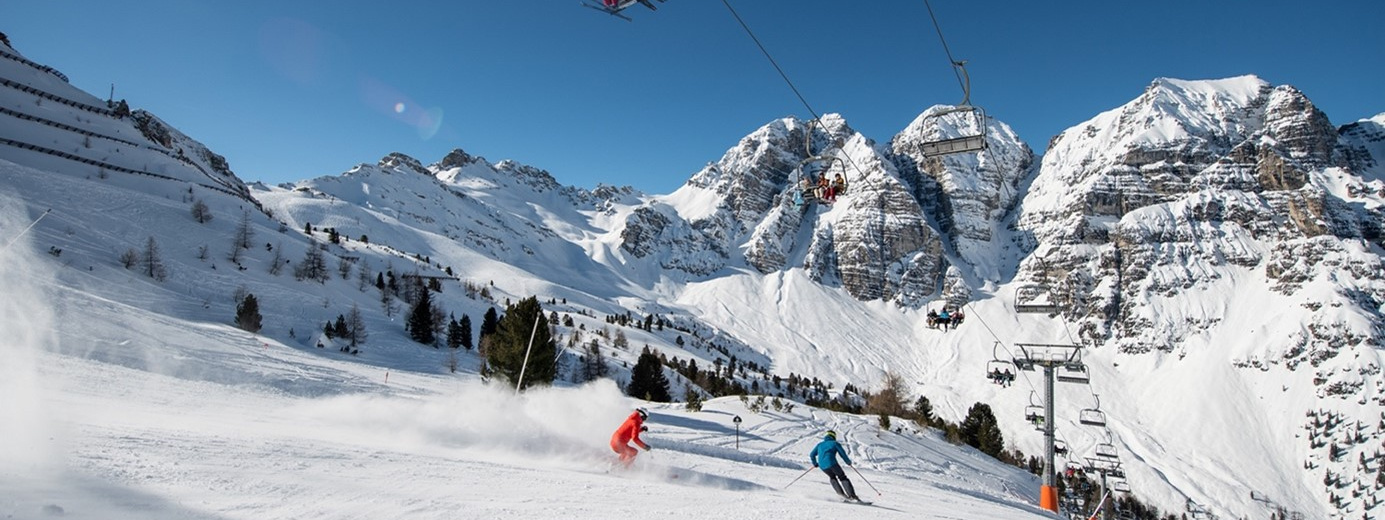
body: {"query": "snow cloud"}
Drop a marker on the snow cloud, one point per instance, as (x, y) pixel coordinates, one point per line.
(26, 329)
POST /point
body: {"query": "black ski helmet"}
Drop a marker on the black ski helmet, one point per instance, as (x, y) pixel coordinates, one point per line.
(644, 416)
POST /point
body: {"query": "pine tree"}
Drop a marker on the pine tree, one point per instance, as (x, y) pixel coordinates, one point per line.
(692, 399)
(421, 319)
(248, 314)
(454, 334)
(489, 322)
(505, 353)
(339, 328)
(923, 410)
(979, 430)
(647, 379)
(466, 332)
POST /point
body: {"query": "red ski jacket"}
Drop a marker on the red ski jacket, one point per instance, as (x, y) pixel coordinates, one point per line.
(629, 431)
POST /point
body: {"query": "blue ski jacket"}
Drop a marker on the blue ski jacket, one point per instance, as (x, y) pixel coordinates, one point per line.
(824, 455)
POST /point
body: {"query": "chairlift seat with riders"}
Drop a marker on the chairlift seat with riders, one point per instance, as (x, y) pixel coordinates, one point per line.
(999, 370)
(816, 179)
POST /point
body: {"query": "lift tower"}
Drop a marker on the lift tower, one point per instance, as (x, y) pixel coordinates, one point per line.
(1060, 363)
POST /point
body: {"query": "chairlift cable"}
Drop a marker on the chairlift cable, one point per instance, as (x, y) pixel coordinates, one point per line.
(782, 74)
(1027, 382)
(950, 61)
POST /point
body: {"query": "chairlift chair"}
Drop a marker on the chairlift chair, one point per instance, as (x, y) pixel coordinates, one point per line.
(965, 143)
(805, 183)
(1034, 414)
(1060, 447)
(1035, 299)
(1091, 417)
(999, 370)
(996, 371)
(1074, 372)
(1105, 450)
(1120, 486)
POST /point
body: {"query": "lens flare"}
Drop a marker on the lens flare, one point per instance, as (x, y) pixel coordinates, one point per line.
(388, 100)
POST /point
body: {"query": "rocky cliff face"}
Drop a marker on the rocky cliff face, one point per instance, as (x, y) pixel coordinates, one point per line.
(884, 236)
(1230, 187)
(967, 195)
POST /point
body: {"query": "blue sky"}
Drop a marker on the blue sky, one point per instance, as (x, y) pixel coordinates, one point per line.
(289, 91)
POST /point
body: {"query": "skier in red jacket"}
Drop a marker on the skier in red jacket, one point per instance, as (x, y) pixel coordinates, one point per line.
(627, 432)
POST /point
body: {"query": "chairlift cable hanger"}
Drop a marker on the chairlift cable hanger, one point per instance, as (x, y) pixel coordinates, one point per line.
(966, 92)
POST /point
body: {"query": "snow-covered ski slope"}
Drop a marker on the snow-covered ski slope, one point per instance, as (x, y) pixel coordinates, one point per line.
(113, 411)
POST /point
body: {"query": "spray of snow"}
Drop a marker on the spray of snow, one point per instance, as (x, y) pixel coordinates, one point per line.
(26, 324)
(558, 425)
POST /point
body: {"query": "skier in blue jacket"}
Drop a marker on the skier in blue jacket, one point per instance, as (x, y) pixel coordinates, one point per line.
(824, 456)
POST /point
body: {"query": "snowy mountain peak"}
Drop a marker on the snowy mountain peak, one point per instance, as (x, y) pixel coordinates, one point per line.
(402, 163)
(1240, 89)
(455, 159)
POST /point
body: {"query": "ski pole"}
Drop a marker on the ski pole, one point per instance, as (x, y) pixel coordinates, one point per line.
(804, 474)
(26, 230)
(863, 479)
(1097, 512)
